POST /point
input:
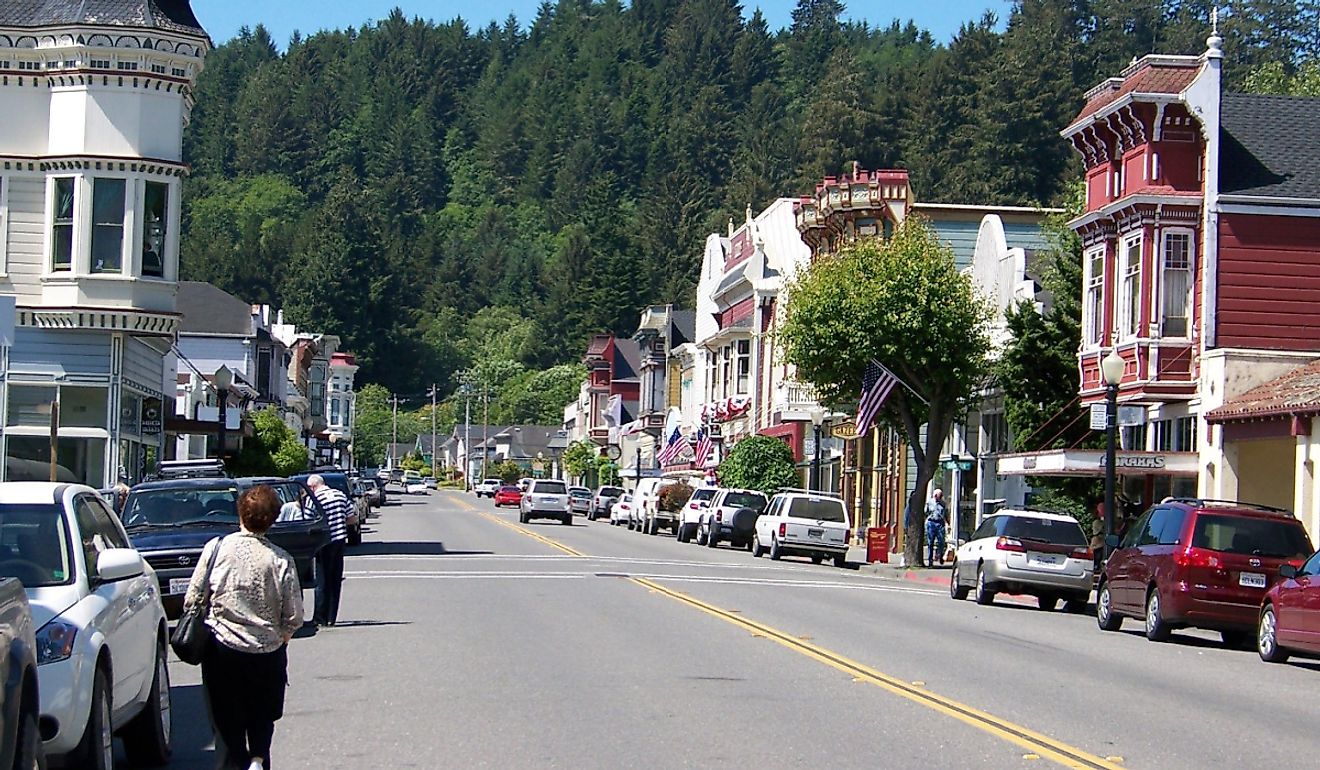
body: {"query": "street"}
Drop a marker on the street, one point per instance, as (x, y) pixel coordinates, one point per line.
(468, 640)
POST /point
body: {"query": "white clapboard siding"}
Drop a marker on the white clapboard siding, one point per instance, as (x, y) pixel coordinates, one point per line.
(27, 242)
(143, 364)
(49, 351)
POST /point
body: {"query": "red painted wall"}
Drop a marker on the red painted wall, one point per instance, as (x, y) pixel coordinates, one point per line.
(1269, 282)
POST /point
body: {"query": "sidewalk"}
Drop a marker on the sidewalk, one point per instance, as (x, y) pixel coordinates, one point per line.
(926, 575)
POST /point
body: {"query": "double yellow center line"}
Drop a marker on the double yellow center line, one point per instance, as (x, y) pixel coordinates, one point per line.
(1037, 745)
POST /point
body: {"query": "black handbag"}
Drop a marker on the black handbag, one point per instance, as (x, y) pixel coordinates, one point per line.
(191, 636)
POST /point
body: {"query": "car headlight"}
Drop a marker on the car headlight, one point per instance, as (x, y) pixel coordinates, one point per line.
(55, 642)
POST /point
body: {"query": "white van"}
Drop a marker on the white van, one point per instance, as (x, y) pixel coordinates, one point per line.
(804, 523)
(646, 514)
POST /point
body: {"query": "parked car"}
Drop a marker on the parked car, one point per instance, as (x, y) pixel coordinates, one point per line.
(525, 483)
(689, 520)
(362, 492)
(603, 501)
(169, 522)
(101, 634)
(579, 500)
(803, 523)
(731, 515)
(1023, 551)
(1289, 618)
(20, 706)
(545, 499)
(374, 492)
(508, 495)
(1199, 563)
(647, 516)
(382, 497)
(339, 481)
(621, 511)
(430, 483)
(488, 488)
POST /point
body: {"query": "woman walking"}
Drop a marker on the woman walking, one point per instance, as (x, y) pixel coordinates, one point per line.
(255, 607)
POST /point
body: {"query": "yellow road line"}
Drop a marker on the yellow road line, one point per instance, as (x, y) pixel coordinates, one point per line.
(1034, 742)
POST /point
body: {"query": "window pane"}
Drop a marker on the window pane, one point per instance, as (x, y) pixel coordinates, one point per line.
(78, 460)
(30, 405)
(154, 225)
(62, 228)
(83, 407)
(107, 225)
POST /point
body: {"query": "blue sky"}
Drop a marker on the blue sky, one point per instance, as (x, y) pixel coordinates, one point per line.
(223, 18)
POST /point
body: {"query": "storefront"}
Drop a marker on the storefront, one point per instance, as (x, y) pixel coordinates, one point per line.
(1144, 477)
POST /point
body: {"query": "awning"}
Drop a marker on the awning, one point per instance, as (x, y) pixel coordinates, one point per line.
(1091, 462)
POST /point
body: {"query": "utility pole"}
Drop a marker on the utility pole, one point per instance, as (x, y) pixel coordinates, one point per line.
(394, 432)
(433, 391)
(467, 435)
(485, 426)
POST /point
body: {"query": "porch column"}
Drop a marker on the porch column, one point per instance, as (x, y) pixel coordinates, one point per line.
(1306, 503)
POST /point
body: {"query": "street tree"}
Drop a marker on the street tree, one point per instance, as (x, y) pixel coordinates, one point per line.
(273, 449)
(762, 463)
(507, 471)
(905, 304)
(580, 458)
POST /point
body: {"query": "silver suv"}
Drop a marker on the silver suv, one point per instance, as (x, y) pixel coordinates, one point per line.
(731, 517)
(545, 499)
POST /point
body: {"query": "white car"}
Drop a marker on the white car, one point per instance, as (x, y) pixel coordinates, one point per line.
(1038, 553)
(690, 518)
(647, 516)
(94, 602)
(804, 523)
(621, 511)
(545, 499)
(415, 487)
(731, 516)
(488, 488)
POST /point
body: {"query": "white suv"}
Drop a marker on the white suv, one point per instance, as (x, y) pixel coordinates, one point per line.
(93, 600)
(689, 521)
(804, 523)
(545, 499)
(726, 519)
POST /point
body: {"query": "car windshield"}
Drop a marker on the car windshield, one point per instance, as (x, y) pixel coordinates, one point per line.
(817, 509)
(1055, 531)
(744, 500)
(1250, 535)
(610, 492)
(550, 488)
(510, 489)
(181, 506)
(580, 492)
(34, 545)
(705, 493)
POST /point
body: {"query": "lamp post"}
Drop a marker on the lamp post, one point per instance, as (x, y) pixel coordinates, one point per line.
(307, 424)
(223, 380)
(1111, 368)
(335, 438)
(817, 418)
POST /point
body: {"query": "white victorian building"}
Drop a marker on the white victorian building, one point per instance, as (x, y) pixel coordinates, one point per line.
(94, 97)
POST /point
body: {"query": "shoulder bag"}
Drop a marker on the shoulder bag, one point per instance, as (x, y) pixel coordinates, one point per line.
(191, 636)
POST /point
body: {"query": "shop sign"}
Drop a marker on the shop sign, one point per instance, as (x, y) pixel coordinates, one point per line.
(152, 419)
(1145, 462)
(844, 430)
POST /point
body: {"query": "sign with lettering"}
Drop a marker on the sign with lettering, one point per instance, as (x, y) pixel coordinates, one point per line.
(1145, 462)
(844, 430)
(152, 419)
(1098, 414)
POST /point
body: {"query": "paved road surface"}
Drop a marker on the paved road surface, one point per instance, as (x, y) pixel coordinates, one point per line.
(468, 640)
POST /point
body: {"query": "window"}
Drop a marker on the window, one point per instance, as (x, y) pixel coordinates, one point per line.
(1184, 434)
(30, 406)
(1134, 531)
(29, 66)
(1163, 435)
(1133, 437)
(77, 460)
(107, 225)
(1176, 284)
(179, 72)
(1129, 288)
(334, 412)
(263, 371)
(158, 69)
(1171, 530)
(86, 407)
(128, 66)
(744, 366)
(100, 64)
(726, 370)
(1094, 312)
(61, 231)
(995, 426)
(155, 211)
(1251, 536)
(988, 528)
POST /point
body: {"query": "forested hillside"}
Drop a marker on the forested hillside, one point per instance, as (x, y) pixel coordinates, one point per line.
(388, 182)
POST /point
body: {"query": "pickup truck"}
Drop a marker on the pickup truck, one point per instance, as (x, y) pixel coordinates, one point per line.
(648, 516)
(20, 741)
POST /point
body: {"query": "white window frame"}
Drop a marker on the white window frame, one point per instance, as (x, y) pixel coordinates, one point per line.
(1127, 298)
(126, 228)
(1189, 269)
(75, 226)
(4, 225)
(1093, 309)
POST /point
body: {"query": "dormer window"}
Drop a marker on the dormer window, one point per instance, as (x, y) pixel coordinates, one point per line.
(107, 225)
(127, 66)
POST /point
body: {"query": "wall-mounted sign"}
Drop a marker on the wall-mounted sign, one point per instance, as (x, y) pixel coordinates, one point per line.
(844, 430)
(152, 419)
(1098, 414)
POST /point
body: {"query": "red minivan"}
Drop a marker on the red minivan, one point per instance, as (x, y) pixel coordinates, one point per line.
(1199, 563)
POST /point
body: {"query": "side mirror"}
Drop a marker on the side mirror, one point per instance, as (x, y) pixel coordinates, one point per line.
(1287, 571)
(1113, 541)
(119, 564)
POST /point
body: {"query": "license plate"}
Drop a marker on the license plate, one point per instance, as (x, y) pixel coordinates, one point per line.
(1045, 560)
(1251, 579)
(179, 585)
(816, 533)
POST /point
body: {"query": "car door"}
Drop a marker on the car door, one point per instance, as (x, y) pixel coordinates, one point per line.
(1119, 569)
(1304, 626)
(301, 528)
(1152, 561)
(765, 523)
(965, 558)
(116, 605)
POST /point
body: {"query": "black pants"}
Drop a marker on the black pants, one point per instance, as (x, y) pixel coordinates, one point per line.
(245, 692)
(329, 579)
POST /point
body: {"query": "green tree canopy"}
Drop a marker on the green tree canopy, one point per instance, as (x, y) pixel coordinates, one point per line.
(273, 449)
(762, 463)
(580, 458)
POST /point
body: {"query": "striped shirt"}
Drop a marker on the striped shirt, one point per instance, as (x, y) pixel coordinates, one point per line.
(337, 508)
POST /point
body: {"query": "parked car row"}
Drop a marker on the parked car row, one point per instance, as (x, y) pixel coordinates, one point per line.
(1248, 571)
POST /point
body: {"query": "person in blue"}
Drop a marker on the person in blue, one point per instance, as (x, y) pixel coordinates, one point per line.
(937, 522)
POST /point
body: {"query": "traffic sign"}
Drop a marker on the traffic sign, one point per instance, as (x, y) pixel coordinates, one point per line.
(1098, 414)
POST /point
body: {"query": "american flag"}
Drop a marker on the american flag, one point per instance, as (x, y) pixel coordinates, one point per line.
(670, 450)
(704, 449)
(877, 383)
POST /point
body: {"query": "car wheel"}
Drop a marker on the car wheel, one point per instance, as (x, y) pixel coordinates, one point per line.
(1267, 637)
(776, 553)
(712, 538)
(841, 560)
(817, 558)
(957, 590)
(28, 753)
(681, 533)
(147, 737)
(1047, 602)
(701, 535)
(566, 519)
(1105, 617)
(1157, 630)
(355, 536)
(984, 595)
(757, 550)
(522, 517)
(96, 750)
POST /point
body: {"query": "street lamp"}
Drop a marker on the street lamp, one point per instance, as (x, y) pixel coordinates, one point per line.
(307, 424)
(335, 438)
(817, 419)
(1111, 368)
(222, 380)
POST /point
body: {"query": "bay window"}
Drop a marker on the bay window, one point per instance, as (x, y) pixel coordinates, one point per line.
(61, 229)
(743, 366)
(155, 223)
(107, 225)
(1093, 312)
(1176, 283)
(1129, 287)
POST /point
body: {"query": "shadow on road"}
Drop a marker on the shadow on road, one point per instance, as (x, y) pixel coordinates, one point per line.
(398, 548)
(370, 623)
(193, 742)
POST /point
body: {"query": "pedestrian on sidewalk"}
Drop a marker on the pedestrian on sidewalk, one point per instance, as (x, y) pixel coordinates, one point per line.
(330, 559)
(255, 606)
(937, 523)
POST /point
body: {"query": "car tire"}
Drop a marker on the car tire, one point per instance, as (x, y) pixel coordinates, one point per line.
(147, 739)
(957, 591)
(701, 534)
(96, 750)
(683, 534)
(28, 753)
(712, 538)
(1047, 602)
(355, 536)
(817, 558)
(522, 517)
(841, 560)
(757, 550)
(984, 596)
(1105, 617)
(566, 520)
(776, 553)
(1157, 629)
(1267, 637)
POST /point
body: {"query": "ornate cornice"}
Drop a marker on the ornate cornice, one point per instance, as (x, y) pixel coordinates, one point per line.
(147, 323)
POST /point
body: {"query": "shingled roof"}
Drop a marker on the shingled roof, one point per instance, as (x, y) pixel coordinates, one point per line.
(1152, 74)
(1294, 394)
(170, 15)
(1271, 146)
(208, 309)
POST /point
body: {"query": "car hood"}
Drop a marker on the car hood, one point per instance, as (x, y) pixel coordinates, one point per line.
(164, 538)
(47, 603)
